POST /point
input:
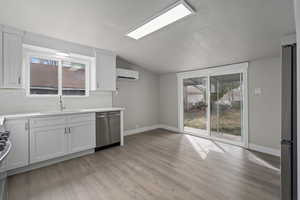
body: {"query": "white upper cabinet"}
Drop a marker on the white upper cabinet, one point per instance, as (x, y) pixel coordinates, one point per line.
(12, 59)
(105, 71)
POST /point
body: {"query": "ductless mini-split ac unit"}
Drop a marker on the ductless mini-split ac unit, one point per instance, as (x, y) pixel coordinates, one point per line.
(127, 74)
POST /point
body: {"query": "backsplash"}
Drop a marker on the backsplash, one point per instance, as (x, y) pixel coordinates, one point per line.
(14, 101)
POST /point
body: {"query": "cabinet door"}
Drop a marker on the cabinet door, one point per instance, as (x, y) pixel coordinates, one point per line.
(105, 71)
(12, 60)
(81, 137)
(47, 143)
(18, 156)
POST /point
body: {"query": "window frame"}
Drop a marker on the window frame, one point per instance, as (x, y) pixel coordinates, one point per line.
(50, 54)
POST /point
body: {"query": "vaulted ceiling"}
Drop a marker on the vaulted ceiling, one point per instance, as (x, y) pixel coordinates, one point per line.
(221, 32)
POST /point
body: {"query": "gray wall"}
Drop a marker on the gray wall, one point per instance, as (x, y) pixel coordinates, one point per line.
(139, 97)
(168, 111)
(16, 101)
(264, 110)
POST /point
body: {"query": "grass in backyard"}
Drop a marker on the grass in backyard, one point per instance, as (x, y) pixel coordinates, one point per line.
(229, 121)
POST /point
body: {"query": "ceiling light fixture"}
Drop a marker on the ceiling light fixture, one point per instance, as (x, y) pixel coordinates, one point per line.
(172, 14)
(62, 54)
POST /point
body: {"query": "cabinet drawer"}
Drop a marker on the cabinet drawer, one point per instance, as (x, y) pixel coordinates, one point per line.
(47, 121)
(79, 118)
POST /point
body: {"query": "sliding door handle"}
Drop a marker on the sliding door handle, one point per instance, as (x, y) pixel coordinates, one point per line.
(286, 142)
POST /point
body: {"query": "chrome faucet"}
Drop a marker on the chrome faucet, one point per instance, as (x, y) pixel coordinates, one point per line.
(61, 104)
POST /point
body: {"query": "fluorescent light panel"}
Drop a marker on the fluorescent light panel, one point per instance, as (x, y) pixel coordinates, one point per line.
(62, 54)
(170, 15)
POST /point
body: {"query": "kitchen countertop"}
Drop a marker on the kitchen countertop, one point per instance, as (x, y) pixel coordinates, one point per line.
(65, 112)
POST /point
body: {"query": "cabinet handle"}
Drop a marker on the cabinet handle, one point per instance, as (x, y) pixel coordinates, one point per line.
(65, 130)
(69, 130)
(19, 80)
(26, 126)
(98, 85)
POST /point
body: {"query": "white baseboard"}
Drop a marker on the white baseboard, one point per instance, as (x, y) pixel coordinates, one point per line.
(149, 128)
(267, 150)
(169, 128)
(140, 130)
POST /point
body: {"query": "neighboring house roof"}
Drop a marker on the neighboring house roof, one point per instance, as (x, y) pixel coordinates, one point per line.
(47, 76)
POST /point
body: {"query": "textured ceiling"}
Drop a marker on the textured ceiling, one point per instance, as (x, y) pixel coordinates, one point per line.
(221, 32)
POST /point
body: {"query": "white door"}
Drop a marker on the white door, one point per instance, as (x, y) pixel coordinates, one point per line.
(105, 71)
(81, 137)
(18, 156)
(47, 143)
(12, 60)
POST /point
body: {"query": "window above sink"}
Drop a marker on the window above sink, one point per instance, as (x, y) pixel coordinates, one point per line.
(50, 72)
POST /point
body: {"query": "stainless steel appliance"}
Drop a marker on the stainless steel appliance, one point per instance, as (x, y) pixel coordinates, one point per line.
(5, 147)
(107, 129)
(289, 124)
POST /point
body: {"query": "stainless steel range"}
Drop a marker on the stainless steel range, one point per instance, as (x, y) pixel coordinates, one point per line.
(5, 146)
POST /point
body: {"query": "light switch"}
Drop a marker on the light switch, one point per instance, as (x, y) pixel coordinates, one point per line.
(257, 91)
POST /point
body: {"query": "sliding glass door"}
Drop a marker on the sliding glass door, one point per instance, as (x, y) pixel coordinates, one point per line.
(195, 100)
(226, 103)
(213, 104)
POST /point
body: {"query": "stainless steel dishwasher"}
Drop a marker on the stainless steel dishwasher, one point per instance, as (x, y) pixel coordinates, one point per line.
(107, 129)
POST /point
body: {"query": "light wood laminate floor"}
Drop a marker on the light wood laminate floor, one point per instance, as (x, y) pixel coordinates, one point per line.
(156, 165)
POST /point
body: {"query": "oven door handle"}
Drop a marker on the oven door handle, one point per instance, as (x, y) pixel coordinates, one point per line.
(6, 151)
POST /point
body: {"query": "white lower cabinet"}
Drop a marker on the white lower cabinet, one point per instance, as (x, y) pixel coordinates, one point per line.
(58, 140)
(81, 137)
(18, 156)
(47, 143)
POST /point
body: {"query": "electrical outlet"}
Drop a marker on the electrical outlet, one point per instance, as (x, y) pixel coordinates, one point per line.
(257, 91)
